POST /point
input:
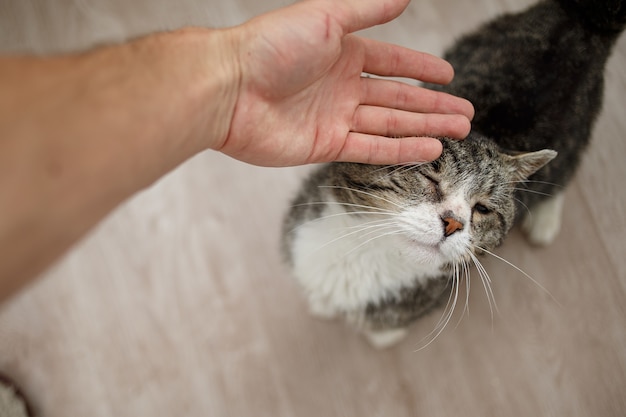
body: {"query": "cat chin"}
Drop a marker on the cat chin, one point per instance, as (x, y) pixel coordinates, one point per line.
(426, 255)
(450, 251)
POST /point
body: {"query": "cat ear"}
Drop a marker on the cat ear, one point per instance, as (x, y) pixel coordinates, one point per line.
(523, 165)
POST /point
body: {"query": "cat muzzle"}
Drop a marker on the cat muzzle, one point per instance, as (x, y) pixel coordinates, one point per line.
(451, 226)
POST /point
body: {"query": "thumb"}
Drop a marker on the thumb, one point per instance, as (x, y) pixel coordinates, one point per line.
(355, 15)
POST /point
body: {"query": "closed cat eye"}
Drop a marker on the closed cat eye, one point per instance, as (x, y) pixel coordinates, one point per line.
(435, 185)
(481, 209)
(431, 179)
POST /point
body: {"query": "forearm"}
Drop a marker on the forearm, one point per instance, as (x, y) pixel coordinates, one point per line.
(81, 133)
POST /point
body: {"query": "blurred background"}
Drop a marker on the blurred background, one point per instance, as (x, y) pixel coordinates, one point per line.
(178, 304)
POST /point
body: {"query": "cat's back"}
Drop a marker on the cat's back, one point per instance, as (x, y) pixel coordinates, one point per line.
(536, 79)
(532, 74)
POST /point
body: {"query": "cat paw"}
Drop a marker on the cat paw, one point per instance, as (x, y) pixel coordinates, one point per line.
(321, 310)
(543, 223)
(384, 339)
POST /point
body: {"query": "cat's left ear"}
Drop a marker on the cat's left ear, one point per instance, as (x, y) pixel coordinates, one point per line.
(523, 165)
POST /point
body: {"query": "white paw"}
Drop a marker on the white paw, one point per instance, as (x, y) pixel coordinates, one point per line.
(543, 222)
(384, 339)
(321, 310)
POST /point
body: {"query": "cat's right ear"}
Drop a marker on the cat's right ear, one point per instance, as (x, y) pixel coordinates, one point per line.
(523, 165)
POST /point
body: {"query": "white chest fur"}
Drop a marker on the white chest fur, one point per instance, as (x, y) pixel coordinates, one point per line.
(345, 261)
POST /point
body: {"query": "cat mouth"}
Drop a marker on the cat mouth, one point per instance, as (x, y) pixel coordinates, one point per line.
(426, 247)
(454, 254)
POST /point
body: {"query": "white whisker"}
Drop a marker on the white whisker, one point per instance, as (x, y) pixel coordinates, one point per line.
(379, 220)
(330, 216)
(394, 168)
(466, 276)
(402, 168)
(396, 232)
(533, 191)
(466, 273)
(446, 316)
(376, 226)
(526, 182)
(524, 205)
(363, 192)
(484, 277)
(339, 203)
(522, 272)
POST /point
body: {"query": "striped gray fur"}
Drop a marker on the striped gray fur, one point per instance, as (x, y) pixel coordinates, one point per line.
(536, 81)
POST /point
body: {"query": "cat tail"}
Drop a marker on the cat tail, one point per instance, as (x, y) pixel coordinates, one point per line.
(601, 15)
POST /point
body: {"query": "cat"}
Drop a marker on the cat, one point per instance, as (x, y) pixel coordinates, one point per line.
(383, 245)
(536, 79)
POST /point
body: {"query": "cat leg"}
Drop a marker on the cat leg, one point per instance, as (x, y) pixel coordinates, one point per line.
(321, 309)
(383, 339)
(543, 222)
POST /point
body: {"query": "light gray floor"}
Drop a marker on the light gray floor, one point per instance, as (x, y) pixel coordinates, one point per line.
(177, 304)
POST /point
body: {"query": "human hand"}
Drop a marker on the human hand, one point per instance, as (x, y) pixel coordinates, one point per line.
(302, 98)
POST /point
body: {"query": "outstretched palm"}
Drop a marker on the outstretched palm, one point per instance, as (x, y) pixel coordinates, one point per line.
(302, 98)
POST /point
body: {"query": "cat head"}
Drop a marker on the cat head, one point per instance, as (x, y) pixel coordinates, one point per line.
(461, 203)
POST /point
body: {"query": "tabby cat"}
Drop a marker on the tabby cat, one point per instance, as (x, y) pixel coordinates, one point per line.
(383, 245)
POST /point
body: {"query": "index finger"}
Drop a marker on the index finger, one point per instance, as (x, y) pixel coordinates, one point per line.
(355, 15)
(396, 61)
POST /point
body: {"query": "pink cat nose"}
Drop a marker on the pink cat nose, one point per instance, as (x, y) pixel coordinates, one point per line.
(451, 225)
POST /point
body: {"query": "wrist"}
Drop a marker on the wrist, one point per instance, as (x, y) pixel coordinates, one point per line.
(212, 85)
